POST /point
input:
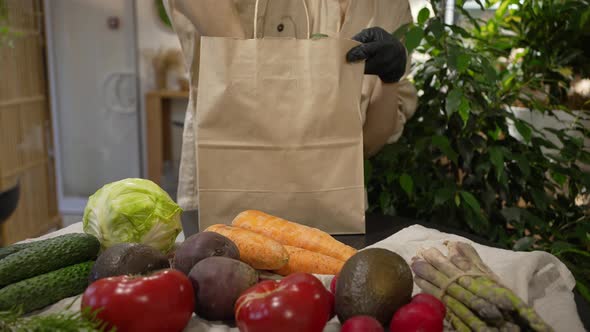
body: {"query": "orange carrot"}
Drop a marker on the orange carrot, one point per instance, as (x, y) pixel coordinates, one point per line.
(301, 260)
(293, 234)
(256, 250)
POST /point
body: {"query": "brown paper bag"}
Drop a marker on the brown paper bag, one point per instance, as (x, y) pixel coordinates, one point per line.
(279, 129)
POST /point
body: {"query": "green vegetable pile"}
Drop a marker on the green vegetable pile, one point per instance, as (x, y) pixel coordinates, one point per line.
(135, 213)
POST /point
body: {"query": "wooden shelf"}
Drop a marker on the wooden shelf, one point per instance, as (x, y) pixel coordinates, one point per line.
(20, 101)
(158, 130)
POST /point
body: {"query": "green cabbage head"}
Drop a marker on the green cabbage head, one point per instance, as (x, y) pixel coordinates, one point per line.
(133, 211)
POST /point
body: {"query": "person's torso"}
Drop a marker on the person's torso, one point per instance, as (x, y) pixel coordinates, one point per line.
(335, 18)
(288, 18)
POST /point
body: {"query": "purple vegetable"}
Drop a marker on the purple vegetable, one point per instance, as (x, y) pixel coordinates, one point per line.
(200, 246)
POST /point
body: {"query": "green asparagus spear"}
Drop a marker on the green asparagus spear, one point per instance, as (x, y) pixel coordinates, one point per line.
(461, 311)
(509, 327)
(467, 316)
(486, 310)
(526, 312)
(441, 263)
(457, 322)
(466, 258)
(514, 318)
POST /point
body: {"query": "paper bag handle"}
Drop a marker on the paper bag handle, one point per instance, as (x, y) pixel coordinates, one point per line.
(256, 18)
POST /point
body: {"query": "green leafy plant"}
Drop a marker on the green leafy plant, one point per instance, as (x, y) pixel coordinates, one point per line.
(74, 321)
(7, 35)
(550, 38)
(4, 31)
(162, 15)
(459, 164)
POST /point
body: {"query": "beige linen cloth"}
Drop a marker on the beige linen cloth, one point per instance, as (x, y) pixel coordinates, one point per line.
(384, 107)
(538, 277)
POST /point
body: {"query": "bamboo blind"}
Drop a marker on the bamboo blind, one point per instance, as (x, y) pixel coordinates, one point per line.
(25, 126)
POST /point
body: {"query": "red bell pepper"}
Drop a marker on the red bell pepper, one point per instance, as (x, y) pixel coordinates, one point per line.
(163, 301)
(299, 302)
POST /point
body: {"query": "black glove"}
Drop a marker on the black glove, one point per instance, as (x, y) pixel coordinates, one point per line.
(385, 55)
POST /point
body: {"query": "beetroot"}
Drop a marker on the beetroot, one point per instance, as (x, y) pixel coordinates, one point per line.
(362, 324)
(432, 301)
(200, 246)
(417, 316)
(219, 282)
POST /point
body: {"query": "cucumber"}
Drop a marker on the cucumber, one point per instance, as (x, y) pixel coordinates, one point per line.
(43, 290)
(15, 248)
(48, 255)
(11, 249)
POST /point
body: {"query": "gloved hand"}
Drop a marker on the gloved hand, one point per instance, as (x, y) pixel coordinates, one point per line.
(385, 55)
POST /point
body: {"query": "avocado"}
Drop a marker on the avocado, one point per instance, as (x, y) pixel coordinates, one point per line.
(128, 258)
(374, 282)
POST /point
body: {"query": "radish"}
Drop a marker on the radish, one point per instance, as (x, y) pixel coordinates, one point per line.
(362, 324)
(417, 316)
(333, 290)
(430, 300)
(333, 285)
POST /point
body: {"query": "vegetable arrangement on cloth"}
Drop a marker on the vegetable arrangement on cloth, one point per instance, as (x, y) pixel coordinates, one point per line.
(475, 298)
(219, 276)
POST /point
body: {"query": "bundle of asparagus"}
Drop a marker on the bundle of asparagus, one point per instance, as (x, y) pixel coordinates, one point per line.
(475, 298)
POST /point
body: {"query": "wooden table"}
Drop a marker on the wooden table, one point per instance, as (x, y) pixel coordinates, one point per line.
(159, 137)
